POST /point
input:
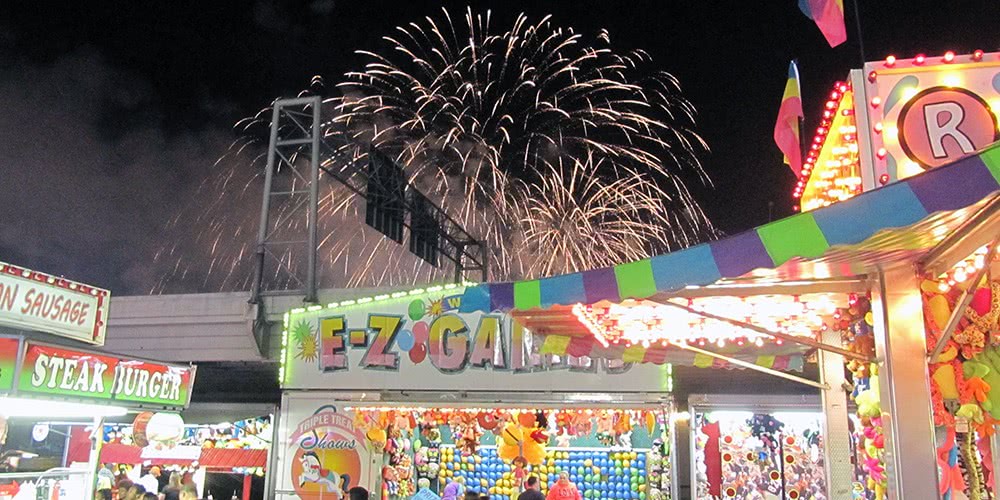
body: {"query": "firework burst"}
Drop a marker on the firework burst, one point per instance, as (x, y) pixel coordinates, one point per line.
(560, 153)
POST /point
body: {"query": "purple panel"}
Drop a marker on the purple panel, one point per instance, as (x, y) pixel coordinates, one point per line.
(601, 284)
(502, 296)
(740, 254)
(953, 186)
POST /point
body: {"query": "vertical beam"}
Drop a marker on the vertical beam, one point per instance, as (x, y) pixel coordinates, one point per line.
(904, 389)
(272, 149)
(271, 469)
(94, 460)
(836, 435)
(313, 201)
(247, 486)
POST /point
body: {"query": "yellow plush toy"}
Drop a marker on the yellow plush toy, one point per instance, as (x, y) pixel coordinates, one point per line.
(517, 440)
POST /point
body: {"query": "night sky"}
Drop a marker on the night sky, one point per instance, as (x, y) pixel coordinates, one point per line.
(113, 111)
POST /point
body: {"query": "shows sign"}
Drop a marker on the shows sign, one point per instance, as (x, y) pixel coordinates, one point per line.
(424, 343)
(30, 300)
(925, 112)
(52, 371)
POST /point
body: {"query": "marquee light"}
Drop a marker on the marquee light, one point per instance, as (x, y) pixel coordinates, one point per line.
(831, 172)
(648, 324)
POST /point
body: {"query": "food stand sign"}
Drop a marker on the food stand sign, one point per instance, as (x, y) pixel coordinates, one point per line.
(53, 371)
(30, 300)
(424, 342)
(926, 112)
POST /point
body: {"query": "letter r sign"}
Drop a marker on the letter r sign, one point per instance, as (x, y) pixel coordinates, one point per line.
(942, 124)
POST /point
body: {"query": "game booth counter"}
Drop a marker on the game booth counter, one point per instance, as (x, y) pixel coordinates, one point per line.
(893, 294)
(48, 383)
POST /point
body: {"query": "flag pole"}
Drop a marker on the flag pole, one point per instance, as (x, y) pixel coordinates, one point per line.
(857, 24)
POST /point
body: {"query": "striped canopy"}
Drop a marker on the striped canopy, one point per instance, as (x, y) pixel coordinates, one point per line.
(896, 222)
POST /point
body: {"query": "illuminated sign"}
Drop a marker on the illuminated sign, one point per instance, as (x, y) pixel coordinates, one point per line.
(942, 124)
(925, 112)
(425, 343)
(51, 371)
(30, 300)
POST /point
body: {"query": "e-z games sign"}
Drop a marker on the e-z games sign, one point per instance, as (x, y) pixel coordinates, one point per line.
(425, 343)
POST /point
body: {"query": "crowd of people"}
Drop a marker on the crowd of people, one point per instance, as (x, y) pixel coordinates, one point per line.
(146, 488)
(563, 489)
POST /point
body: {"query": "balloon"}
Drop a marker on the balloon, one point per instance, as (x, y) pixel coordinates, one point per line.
(416, 309)
(418, 353)
(405, 340)
(420, 330)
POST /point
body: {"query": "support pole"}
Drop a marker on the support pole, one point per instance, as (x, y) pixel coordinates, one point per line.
(266, 205)
(317, 108)
(836, 434)
(778, 335)
(247, 485)
(904, 388)
(94, 460)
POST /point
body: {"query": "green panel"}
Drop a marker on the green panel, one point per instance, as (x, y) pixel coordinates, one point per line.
(795, 236)
(991, 157)
(527, 295)
(9, 348)
(635, 279)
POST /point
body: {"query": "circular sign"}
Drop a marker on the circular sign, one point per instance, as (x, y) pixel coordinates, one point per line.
(942, 124)
(39, 432)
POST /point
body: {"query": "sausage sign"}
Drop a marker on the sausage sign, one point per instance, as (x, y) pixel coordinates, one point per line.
(30, 300)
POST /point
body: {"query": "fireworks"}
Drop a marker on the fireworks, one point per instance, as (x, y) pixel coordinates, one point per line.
(559, 154)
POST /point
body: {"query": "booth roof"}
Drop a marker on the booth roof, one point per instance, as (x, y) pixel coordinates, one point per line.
(892, 225)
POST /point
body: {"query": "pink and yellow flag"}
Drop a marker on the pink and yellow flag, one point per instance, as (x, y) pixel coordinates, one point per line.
(786, 130)
(829, 16)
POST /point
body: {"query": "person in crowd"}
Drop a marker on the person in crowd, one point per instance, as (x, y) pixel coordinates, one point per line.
(471, 495)
(453, 490)
(357, 493)
(121, 492)
(564, 489)
(532, 489)
(103, 494)
(150, 496)
(188, 492)
(135, 492)
(173, 489)
(151, 481)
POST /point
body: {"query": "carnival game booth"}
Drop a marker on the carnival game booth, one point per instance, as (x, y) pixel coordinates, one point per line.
(384, 391)
(896, 291)
(48, 384)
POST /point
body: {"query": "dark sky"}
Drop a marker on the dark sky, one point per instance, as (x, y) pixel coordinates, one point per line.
(113, 110)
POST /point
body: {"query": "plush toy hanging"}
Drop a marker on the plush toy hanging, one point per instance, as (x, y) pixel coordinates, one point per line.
(523, 439)
(766, 428)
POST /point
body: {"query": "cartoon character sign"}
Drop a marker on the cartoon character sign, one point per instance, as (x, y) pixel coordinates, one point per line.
(326, 455)
(330, 480)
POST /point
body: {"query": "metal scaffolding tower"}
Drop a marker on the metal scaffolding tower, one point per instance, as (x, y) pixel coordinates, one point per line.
(286, 254)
